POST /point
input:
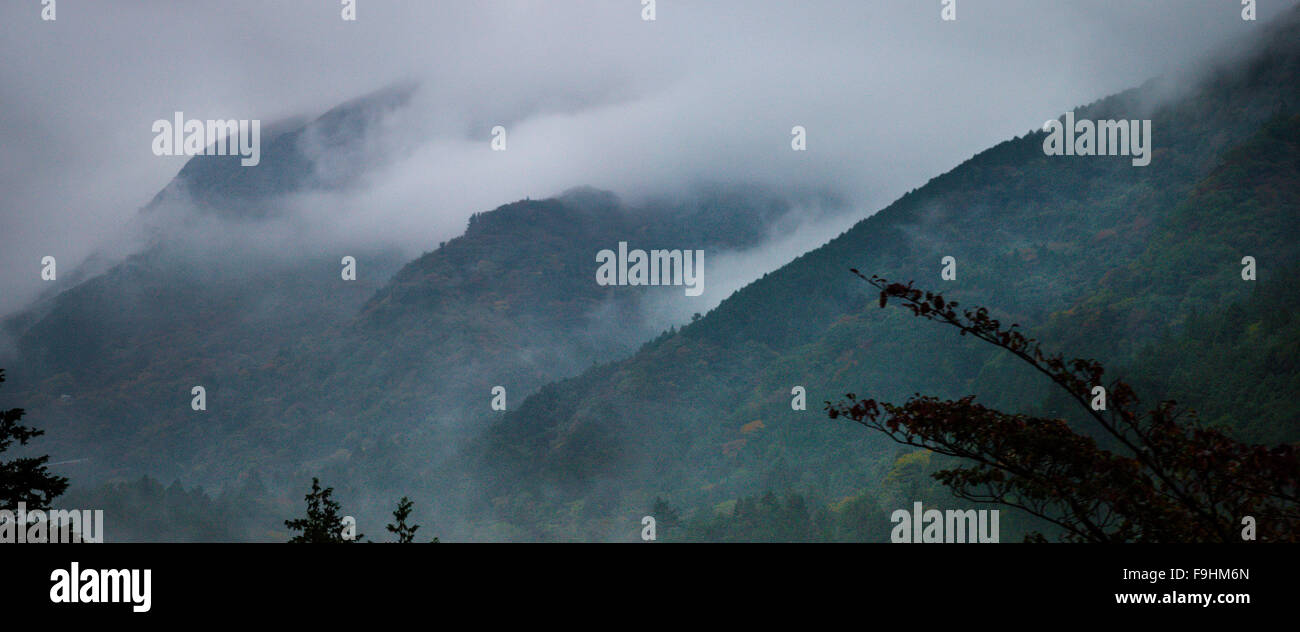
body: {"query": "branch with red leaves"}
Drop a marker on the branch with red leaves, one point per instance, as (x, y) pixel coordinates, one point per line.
(1172, 481)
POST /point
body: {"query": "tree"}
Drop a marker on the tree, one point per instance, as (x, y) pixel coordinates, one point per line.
(26, 479)
(323, 523)
(1169, 479)
(405, 533)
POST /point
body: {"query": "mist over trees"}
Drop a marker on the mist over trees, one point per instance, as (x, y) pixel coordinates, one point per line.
(624, 402)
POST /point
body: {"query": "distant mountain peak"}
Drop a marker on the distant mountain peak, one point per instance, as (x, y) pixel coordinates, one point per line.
(293, 159)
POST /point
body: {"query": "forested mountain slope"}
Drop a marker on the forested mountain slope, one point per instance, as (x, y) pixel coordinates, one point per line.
(1102, 257)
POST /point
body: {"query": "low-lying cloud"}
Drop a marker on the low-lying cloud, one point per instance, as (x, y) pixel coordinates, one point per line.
(589, 94)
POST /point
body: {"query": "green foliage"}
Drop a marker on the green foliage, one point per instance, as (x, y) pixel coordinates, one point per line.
(1235, 364)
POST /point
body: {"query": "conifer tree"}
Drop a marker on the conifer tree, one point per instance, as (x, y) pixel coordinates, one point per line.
(24, 479)
(323, 523)
(405, 533)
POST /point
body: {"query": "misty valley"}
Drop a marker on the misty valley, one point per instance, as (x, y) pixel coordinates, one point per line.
(372, 319)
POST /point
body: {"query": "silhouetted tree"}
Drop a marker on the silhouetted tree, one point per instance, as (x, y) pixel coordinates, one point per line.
(1169, 481)
(24, 479)
(323, 523)
(405, 533)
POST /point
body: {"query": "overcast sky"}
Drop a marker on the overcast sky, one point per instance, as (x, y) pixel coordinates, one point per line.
(590, 94)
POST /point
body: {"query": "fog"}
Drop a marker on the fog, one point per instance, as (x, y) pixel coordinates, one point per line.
(589, 93)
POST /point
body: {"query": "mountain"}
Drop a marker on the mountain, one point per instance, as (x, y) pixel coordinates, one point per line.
(328, 153)
(512, 303)
(383, 386)
(1136, 266)
(369, 381)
